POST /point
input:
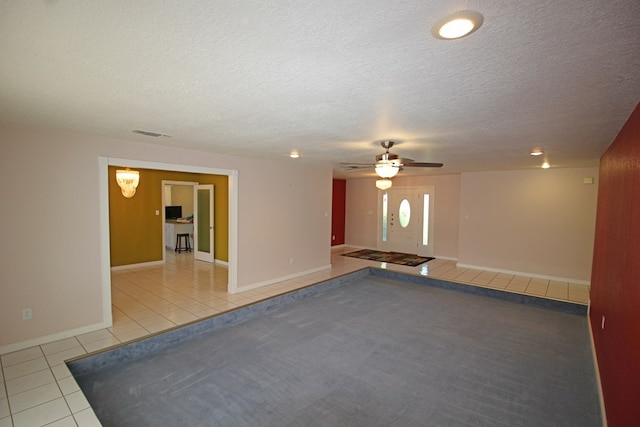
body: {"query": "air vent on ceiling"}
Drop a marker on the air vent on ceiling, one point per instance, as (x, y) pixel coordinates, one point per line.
(152, 134)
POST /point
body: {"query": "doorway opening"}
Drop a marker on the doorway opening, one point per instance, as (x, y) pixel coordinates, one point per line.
(176, 194)
(195, 204)
(406, 218)
(105, 259)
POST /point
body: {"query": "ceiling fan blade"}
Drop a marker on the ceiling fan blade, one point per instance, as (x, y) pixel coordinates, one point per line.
(422, 165)
(357, 164)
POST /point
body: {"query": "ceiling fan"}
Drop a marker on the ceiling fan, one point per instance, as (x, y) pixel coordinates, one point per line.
(388, 164)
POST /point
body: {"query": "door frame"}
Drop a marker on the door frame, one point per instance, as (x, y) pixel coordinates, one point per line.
(383, 245)
(197, 254)
(164, 203)
(103, 192)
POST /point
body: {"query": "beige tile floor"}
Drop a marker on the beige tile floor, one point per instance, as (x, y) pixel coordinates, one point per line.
(39, 390)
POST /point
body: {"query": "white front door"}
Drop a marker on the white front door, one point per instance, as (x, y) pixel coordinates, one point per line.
(407, 220)
(404, 217)
(203, 232)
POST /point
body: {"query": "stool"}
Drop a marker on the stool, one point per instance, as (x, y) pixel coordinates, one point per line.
(183, 238)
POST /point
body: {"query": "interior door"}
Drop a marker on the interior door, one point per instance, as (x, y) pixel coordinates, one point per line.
(203, 231)
(404, 219)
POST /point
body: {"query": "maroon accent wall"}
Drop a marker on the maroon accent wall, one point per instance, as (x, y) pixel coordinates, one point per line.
(615, 277)
(338, 211)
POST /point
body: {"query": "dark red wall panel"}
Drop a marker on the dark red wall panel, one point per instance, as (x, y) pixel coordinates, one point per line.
(338, 211)
(615, 278)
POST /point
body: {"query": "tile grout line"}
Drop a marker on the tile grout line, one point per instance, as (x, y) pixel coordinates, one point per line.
(6, 391)
(62, 393)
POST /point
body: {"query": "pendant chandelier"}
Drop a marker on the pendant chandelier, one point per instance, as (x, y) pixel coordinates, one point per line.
(128, 181)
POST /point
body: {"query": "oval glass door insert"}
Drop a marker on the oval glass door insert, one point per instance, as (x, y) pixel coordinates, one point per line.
(404, 213)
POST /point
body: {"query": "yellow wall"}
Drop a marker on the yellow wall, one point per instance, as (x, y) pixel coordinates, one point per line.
(136, 230)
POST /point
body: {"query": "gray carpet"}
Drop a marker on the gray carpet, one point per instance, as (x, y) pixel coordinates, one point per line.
(375, 352)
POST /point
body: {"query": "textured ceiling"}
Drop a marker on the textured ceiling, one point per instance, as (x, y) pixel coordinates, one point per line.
(329, 78)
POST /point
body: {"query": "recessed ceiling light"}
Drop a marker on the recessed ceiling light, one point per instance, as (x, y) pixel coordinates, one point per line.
(536, 152)
(294, 154)
(456, 25)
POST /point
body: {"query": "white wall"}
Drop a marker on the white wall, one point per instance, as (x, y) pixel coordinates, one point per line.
(361, 213)
(285, 213)
(534, 222)
(53, 261)
(539, 222)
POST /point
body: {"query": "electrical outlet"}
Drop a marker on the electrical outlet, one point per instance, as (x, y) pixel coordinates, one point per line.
(26, 314)
(290, 260)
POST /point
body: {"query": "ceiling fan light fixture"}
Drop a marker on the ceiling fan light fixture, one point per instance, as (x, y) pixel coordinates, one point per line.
(386, 169)
(457, 25)
(545, 165)
(294, 154)
(383, 184)
(536, 152)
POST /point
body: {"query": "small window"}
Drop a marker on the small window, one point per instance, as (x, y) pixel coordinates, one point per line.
(384, 217)
(425, 222)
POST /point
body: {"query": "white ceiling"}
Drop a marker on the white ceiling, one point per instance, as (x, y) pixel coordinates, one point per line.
(329, 78)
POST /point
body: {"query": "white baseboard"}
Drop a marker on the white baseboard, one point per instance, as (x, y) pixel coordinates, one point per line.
(446, 258)
(524, 273)
(358, 247)
(142, 264)
(597, 369)
(283, 278)
(154, 263)
(10, 348)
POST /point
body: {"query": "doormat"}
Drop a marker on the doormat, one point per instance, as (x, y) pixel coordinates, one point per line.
(390, 257)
